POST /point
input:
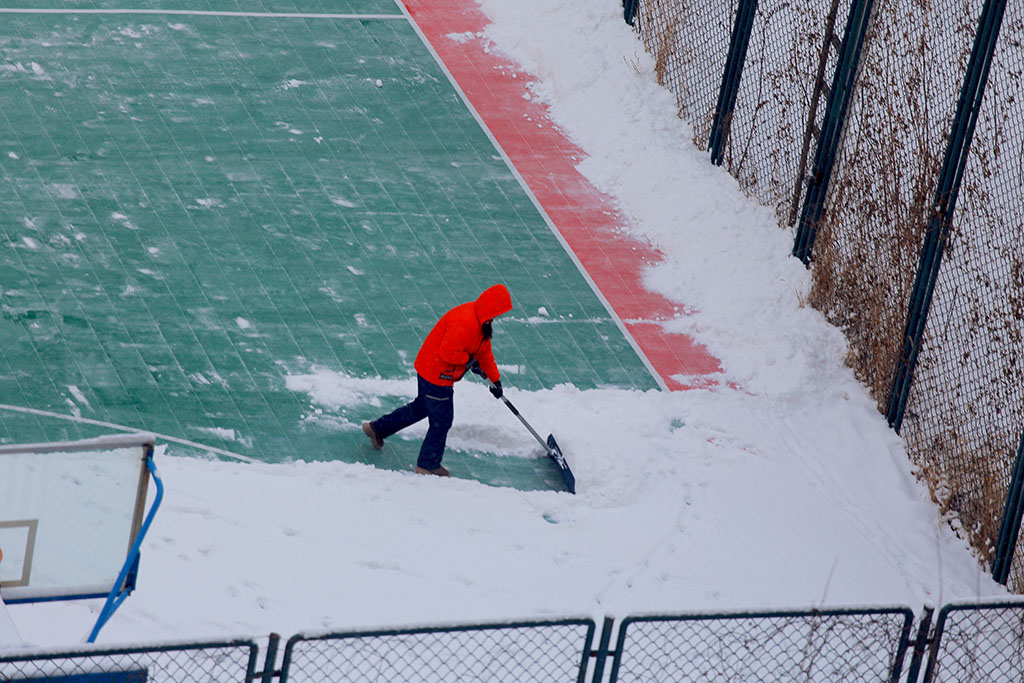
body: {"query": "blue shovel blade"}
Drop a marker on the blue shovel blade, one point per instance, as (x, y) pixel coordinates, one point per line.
(555, 453)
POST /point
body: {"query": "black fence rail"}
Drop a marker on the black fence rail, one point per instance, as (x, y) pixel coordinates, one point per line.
(555, 651)
(224, 662)
(887, 134)
(828, 645)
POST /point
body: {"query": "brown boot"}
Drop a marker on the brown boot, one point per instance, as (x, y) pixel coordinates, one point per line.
(440, 471)
(368, 430)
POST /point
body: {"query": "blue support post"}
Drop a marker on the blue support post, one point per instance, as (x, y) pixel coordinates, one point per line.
(125, 582)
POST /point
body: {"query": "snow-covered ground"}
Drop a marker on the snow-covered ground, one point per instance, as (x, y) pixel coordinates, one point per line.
(788, 492)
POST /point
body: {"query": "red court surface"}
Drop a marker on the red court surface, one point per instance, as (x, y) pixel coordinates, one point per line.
(588, 220)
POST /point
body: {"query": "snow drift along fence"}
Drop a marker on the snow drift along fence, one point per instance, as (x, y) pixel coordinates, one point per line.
(970, 642)
(887, 134)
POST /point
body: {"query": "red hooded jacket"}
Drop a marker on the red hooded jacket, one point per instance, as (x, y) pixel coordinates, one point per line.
(457, 337)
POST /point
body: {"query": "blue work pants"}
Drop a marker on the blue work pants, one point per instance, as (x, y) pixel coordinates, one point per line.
(433, 402)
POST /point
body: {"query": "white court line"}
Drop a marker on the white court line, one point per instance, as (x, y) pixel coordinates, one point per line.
(202, 13)
(121, 428)
(540, 208)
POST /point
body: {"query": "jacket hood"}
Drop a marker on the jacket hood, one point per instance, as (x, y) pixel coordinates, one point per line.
(493, 302)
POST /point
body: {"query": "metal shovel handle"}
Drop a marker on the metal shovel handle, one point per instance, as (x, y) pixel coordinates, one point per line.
(525, 423)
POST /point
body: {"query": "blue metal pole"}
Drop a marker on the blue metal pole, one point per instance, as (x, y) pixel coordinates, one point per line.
(119, 591)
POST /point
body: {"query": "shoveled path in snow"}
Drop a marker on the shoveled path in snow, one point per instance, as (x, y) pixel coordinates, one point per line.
(587, 220)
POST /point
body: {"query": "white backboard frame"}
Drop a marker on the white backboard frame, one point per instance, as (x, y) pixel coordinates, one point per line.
(79, 505)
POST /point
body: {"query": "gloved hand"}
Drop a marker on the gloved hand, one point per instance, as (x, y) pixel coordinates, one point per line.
(496, 390)
(474, 366)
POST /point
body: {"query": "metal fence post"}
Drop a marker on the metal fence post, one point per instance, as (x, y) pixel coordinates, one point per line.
(832, 128)
(629, 8)
(971, 95)
(731, 76)
(1009, 527)
(811, 130)
(268, 673)
(936, 641)
(601, 654)
(920, 645)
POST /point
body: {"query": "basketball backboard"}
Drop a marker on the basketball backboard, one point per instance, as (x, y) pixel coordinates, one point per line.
(70, 513)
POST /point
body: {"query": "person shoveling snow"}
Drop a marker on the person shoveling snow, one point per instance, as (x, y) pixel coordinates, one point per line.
(458, 343)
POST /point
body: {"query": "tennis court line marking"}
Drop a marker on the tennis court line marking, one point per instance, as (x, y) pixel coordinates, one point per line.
(613, 315)
(203, 13)
(122, 428)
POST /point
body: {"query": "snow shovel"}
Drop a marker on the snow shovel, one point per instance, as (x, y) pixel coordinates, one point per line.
(554, 452)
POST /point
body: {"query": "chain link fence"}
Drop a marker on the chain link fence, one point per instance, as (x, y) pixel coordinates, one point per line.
(839, 645)
(978, 643)
(771, 130)
(981, 643)
(222, 662)
(689, 40)
(537, 652)
(788, 39)
(965, 409)
(869, 241)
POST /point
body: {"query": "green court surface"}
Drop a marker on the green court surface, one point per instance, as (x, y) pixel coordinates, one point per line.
(247, 7)
(197, 206)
